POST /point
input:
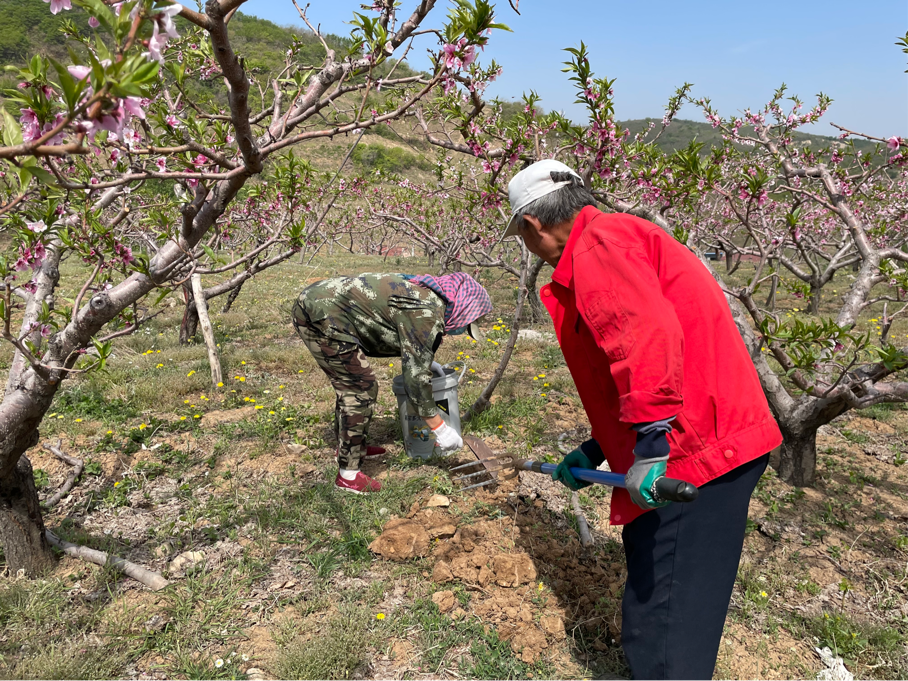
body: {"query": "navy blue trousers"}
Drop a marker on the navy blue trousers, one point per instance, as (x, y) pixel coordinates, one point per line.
(682, 561)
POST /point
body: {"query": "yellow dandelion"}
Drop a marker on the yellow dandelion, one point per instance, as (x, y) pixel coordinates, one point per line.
(159, 366)
(142, 426)
(197, 416)
(182, 418)
(110, 432)
(280, 399)
(763, 594)
(380, 616)
(243, 362)
(258, 406)
(78, 420)
(185, 401)
(117, 483)
(191, 373)
(281, 387)
(271, 412)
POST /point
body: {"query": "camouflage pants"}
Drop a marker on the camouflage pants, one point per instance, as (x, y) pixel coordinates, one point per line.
(357, 389)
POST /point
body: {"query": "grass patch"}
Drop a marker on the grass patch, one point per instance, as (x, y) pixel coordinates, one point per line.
(332, 650)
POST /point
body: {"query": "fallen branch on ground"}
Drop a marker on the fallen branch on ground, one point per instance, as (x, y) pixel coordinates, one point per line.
(152, 580)
(585, 538)
(74, 474)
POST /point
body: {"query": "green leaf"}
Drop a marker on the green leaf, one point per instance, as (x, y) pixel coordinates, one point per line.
(40, 174)
(12, 131)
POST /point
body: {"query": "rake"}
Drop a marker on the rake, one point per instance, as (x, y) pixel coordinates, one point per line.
(489, 466)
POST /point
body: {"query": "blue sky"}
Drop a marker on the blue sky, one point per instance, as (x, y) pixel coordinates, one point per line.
(736, 53)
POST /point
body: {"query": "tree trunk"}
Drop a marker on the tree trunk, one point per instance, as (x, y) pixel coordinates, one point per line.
(234, 294)
(815, 292)
(485, 398)
(190, 324)
(537, 311)
(773, 287)
(798, 461)
(21, 525)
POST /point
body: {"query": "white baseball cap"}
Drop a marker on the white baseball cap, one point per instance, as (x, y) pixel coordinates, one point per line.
(533, 183)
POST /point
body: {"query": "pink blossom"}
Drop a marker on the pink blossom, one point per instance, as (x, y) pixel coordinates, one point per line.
(31, 287)
(45, 331)
(115, 155)
(171, 120)
(133, 105)
(57, 5)
(37, 227)
(449, 50)
(93, 22)
(31, 129)
(24, 86)
(200, 160)
(79, 71)
(893, 143)
(161, 163)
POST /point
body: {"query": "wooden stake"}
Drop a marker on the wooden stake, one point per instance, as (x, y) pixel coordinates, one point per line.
(207, 332)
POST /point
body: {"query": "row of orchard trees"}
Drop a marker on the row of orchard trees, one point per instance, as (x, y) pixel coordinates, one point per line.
(113, 161)
(796, 211)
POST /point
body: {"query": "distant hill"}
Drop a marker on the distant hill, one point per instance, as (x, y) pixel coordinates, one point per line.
(681, 132)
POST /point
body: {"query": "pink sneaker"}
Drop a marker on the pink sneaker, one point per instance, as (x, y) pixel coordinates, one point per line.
(371, 453)
(361, 484)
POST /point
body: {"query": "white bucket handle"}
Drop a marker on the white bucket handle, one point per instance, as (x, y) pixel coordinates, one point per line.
(463, 368)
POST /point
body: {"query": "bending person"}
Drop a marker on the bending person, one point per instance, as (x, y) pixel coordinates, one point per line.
(344, 320)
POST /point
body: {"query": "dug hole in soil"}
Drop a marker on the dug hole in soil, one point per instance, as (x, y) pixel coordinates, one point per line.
(522, 564)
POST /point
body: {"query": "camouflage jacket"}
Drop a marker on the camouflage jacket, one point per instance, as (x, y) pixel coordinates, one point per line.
(386, 316)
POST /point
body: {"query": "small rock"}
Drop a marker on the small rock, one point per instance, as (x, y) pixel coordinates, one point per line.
(305, 469)
(442, 573)
(296, 450)
(163, 551)
(438, 500)
(255, 674)
(441, 528)
(444, 600)
(155, 623)
(187, 561)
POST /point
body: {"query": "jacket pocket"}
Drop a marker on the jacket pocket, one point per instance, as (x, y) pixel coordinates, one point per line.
(610, 322)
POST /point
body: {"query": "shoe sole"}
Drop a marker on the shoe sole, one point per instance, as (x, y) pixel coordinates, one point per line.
(347, 489)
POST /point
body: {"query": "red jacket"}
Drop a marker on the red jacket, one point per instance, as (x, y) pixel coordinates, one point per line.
(647, 335)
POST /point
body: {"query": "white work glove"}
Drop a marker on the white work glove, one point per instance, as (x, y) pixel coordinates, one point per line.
(438, 369)
(447, 438)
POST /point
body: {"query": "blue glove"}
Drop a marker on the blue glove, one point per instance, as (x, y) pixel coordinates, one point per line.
(576, 459)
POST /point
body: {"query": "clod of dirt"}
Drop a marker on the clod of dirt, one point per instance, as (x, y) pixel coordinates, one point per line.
(529, 643)
(445, 600)
(553, 625)
(401, 540)
(187, 560)
(513, 570)
(442, 573)
(214, 418)
(438, 500)
(440, 528)
(471, 567)
(296, 450)
(254, 674)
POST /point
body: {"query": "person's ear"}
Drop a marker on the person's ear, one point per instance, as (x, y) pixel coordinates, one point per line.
(533, 220)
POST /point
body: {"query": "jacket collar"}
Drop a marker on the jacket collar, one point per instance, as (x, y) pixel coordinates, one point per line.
(564, 273)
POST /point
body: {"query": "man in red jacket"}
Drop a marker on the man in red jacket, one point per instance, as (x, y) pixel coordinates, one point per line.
(669, 389)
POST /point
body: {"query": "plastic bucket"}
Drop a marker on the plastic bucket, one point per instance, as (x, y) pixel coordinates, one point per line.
(419, 440)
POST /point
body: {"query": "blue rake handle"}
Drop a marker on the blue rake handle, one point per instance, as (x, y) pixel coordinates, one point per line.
(669, 489)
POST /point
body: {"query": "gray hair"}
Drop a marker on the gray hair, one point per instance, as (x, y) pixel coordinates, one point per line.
(560, 205)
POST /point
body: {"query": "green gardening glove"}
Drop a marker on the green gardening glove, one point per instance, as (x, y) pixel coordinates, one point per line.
(576, 459)
(641, 478)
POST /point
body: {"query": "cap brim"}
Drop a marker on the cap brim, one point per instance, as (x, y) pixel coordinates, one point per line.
(511, 228)
(474, 331)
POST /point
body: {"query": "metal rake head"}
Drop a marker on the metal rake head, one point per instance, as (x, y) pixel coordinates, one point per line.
(487, 463)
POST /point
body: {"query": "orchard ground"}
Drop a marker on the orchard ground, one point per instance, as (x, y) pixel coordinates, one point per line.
(228, 492)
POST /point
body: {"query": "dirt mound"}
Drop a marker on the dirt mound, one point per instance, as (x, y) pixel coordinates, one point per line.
(401, 539)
